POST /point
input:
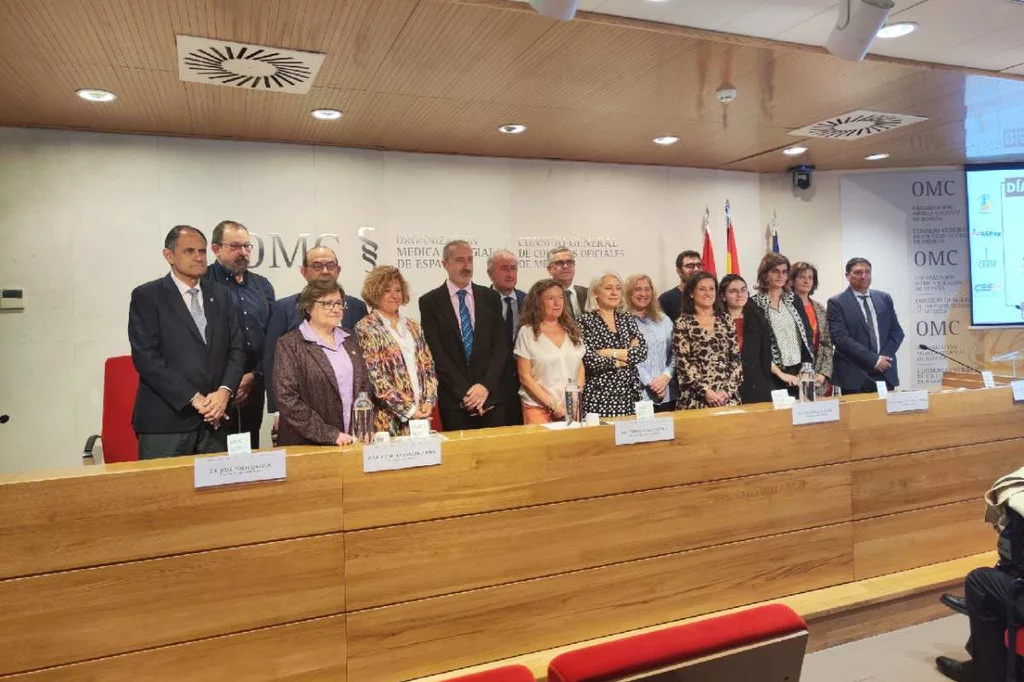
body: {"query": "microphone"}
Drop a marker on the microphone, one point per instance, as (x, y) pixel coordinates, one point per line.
(932, 350)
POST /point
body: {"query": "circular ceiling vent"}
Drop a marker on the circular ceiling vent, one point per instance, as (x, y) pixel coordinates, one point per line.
(856, 124)
(255, 67)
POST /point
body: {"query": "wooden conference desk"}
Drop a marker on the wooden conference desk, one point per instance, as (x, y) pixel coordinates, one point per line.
(523, 539)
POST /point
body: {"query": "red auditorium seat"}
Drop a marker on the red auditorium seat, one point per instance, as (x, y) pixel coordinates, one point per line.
(435, 420)
(508, 673)
(120, 383)
(765, 644)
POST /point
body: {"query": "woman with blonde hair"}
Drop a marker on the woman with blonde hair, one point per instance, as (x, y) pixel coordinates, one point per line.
(615, 347)
(398, 361)
(659, 369)
(549, 352)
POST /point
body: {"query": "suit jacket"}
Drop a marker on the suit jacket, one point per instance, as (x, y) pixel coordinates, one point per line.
(173, 361)
(389, 374)
(307, 391)
(581, 296)
(489, 359)
(284, 317)
(756, 355)
(854, 360)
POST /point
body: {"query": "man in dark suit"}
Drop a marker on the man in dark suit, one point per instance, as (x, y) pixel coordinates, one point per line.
(187, 348)
(503, 269)
(467, 337)
(562, 268)
(865, 332)
(253, 296)
(688, 263)
(319, 263)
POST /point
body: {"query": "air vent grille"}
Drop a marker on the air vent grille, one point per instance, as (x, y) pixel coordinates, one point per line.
(254, 67)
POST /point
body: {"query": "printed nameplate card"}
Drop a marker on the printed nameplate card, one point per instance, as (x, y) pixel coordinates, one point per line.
(906, 401)
(645, 430)
(781, 399)
(401, 454)
(817, 412)
(1018, 390)
(242, 468)
(988, 379)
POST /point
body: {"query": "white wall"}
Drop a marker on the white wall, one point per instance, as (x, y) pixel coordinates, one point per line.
(83, 215)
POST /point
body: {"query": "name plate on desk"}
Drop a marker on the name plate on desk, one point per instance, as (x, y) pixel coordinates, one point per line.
(243, 468)
(817, 412)
(988, 379)
(906, 401)
(1018, 390)
(645, 430)
(401, 454)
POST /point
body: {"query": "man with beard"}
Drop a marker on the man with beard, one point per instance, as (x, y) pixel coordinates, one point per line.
(319, 263)
(253, 296)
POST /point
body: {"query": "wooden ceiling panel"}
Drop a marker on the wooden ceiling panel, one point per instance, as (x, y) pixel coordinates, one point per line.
(442, 75)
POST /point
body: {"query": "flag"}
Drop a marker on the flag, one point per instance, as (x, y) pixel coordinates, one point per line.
(773, 229)
(732, 256)
(775, 241)
(708, 255)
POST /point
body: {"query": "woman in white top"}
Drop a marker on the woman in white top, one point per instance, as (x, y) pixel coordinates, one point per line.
(397, 358)
(549, 352)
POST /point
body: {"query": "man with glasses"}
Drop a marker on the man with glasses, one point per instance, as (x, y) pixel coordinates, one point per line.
(253, 296)
(688, 263)
(562, 268)
(321, 264)
(865, 332)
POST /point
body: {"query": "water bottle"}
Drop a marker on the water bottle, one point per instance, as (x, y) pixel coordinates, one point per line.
(573, 403)
(807, 387)
(362, 418)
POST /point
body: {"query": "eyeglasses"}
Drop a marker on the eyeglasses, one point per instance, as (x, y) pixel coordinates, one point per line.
(323, 267)
(331, 305)
(779, 271)
(563, 263)
(235, 246)
(736, 292)
(693, 266)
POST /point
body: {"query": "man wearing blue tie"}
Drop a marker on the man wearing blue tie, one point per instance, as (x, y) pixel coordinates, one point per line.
(865, 332)
(466, 335)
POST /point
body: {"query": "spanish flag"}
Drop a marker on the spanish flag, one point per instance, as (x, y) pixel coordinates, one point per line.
(732, 256)
(708, 255)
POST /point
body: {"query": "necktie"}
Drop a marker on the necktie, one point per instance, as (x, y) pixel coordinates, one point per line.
(509, 326)
(570, 303)
(871, 322)
(466, 323)
(196, 308)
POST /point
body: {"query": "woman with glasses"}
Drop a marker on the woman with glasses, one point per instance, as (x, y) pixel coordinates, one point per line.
(615, 347)
(753, 337)
(397, 358)
(803, 280)
(318, 372)
(791, 346)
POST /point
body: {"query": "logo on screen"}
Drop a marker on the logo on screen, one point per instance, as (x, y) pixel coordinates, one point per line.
(985, 264)
(988, 287)
(985, 203)
(1013, 187)
(986, 233)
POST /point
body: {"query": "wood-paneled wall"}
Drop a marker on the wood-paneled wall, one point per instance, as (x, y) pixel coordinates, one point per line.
(523, 539)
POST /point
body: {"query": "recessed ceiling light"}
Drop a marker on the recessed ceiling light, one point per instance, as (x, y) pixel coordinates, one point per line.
(876, 157)
(897, 30)
(794, 151)
(666, 139)
(93, 95)
(512, 128)
(326, 114)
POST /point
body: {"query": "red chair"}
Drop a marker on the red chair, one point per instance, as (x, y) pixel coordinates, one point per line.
(120, 384)
(435, 420)
(508, 673)
(766, 644)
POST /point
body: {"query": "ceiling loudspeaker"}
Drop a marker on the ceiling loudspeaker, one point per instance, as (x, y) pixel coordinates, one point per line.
(563, 10)
(859, 21)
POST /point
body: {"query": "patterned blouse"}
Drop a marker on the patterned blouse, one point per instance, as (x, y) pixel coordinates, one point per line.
(393, 392)
(611, 391)
(784, 345)
(706, 360)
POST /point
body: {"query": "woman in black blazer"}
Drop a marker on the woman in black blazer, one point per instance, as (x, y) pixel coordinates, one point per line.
(754, 338)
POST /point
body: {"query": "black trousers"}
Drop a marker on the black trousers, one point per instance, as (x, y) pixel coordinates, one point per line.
(868, 386)
(249, 417)
(670, 406)
(989, 592)
(201, 441)
(454, 418)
